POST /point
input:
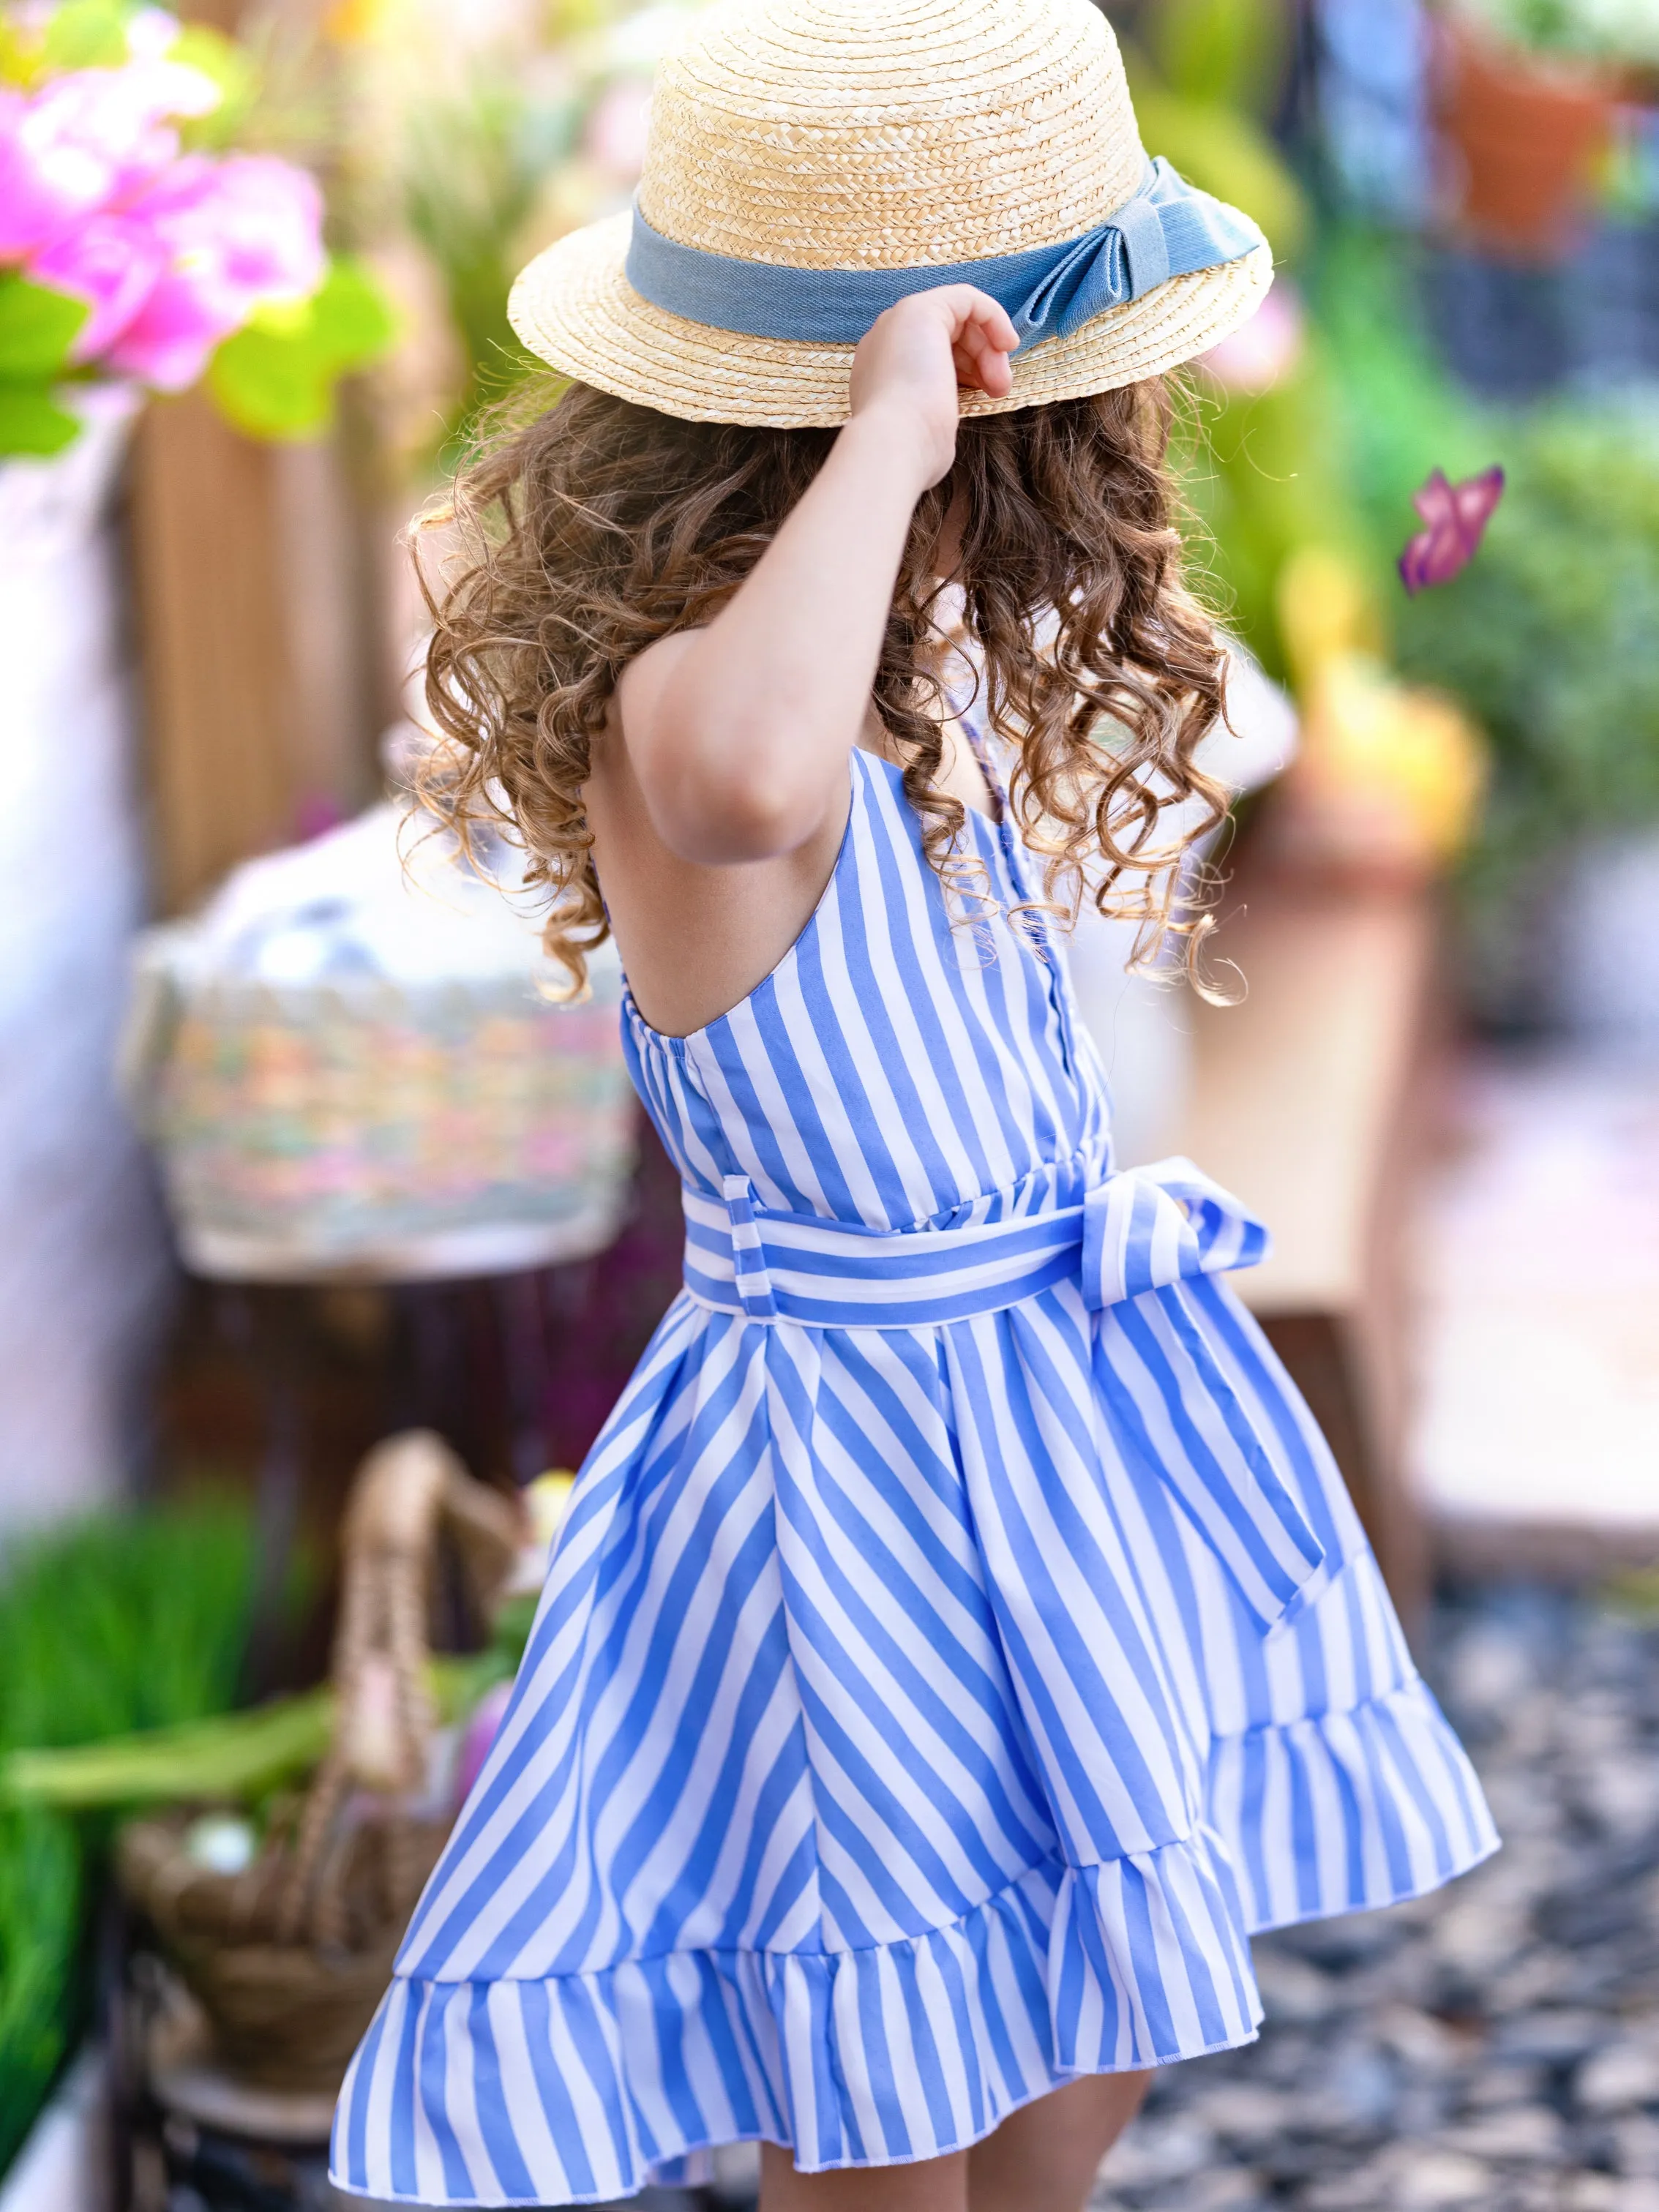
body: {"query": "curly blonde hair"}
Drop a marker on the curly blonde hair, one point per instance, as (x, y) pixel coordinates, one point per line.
(586, 529)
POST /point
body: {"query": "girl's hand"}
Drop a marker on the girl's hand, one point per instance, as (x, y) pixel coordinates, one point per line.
(915, 358)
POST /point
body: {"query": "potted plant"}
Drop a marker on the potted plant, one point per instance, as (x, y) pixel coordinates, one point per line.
(1526, 92)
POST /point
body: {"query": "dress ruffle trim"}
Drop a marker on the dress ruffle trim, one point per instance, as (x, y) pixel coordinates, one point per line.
(1348, 1811)
(582, 2087)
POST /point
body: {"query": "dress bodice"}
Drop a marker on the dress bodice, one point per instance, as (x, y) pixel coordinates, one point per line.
(914, 1056)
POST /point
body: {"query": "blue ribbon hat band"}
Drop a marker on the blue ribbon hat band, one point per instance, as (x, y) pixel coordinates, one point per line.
(1168, 228)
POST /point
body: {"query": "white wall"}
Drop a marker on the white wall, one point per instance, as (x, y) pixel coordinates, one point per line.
(82, 1253)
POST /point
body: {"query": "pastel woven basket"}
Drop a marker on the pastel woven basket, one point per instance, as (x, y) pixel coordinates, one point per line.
(360, 1122)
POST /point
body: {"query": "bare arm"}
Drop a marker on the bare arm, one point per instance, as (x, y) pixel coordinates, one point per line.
(738, 734)
(718, 792)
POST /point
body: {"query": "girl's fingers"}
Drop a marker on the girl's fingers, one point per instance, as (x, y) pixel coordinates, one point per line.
(980, 363)
(984, 320)
(982, 341)
(986, 367)
(987, 373)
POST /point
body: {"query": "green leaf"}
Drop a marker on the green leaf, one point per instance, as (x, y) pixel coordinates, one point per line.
(85, 34)
(284, 318)
(354, 321)
(37, 326)
(276, 379)
(269, 385)
(242, 1754)
(237, 1755)
(32, 422)
(18, 54)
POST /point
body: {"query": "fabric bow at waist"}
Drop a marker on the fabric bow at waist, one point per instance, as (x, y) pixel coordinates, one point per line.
(1138, 1240)
(1135, 1231)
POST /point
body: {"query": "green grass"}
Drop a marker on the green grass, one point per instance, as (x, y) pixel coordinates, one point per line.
(40, 1883)
(123, 1622)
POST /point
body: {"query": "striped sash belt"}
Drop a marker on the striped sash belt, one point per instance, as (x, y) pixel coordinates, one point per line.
(1134, 1231)
(1143, 1230)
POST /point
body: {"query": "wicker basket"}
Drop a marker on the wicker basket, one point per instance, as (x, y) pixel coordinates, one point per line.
(348, 1065)
(290, 1958)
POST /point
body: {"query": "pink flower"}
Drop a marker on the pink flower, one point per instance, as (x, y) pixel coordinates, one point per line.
(42, 187)
(87, 140)
(111, 263)
(236, 236)
(171, 253)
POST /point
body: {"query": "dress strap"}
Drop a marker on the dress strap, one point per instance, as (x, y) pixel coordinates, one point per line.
(1014, 846)
(974, 733)
(1020, 867)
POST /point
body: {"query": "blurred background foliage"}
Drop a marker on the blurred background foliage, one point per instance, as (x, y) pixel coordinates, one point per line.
(136, 1621)
(1207, 76)
(127, 1621)
(479, 140)
(473, 164)
(1549, 636)
(40, 1891)
(1553, 635)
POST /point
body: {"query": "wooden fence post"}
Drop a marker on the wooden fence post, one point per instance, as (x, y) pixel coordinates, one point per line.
(263, 662)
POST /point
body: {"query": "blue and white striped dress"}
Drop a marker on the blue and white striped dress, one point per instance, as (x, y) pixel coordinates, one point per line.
(959, 1640)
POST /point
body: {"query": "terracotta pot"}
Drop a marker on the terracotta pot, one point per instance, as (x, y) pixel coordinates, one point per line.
(1528, 134)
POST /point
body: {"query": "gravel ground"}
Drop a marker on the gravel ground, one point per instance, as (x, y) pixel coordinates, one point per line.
(1496, 2045)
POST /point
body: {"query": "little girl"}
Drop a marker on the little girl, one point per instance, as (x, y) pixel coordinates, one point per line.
(960, 1641)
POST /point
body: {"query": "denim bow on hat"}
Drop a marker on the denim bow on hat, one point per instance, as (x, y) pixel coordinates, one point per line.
(1167, 228)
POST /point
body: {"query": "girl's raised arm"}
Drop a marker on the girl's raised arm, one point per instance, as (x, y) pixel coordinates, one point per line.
(737, 735)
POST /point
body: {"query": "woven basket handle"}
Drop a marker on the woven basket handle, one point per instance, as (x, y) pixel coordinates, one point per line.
(405, 1491)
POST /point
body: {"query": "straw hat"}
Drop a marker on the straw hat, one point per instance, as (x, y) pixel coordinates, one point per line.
(860, 135)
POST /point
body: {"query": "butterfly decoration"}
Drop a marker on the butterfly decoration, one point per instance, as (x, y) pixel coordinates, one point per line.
(1456, 516)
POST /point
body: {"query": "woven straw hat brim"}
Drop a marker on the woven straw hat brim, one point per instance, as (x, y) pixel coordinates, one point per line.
(574, 308)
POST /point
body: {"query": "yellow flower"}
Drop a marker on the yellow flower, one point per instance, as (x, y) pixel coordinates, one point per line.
(359, 22)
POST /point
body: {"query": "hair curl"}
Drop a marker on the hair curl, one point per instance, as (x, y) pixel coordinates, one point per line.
(581, 533)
